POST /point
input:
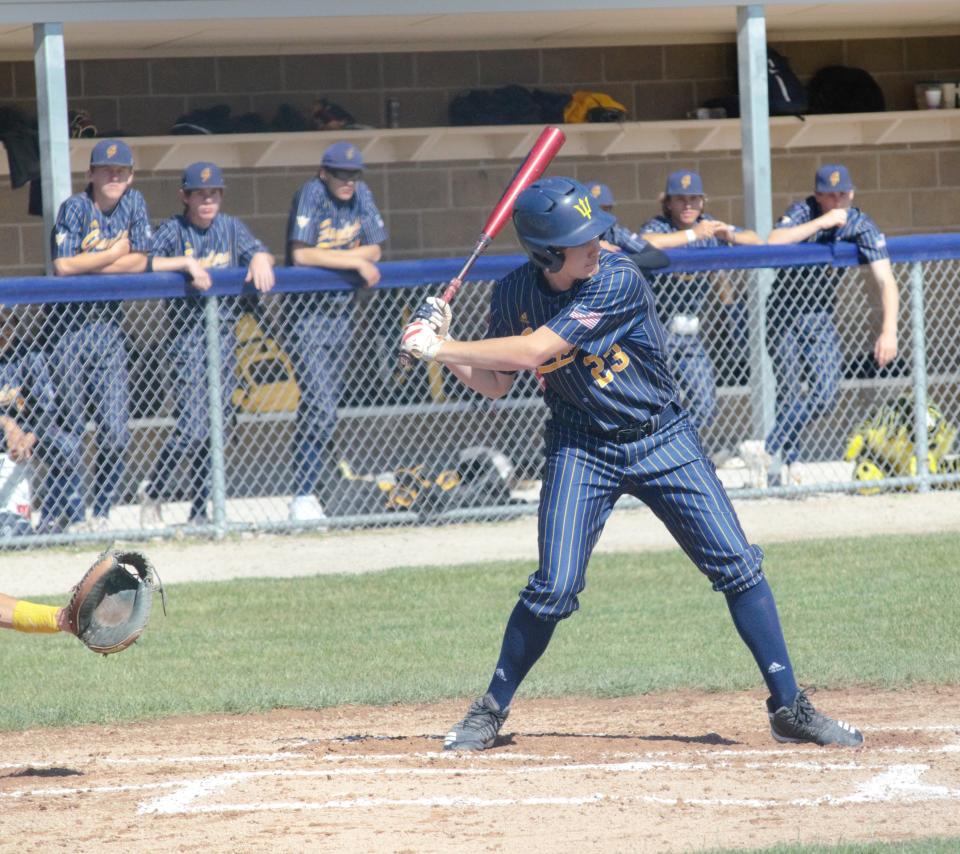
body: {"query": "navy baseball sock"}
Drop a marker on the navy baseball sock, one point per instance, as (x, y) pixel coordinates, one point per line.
(525, 639)
(755, 615)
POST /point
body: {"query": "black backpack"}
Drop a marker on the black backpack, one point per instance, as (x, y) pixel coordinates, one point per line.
(841, 89)
(785, 91)
(786, 95)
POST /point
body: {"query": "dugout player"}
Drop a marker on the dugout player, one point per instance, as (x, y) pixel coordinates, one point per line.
(334, 223)
(104, 229)
(193, 242)
(585, 318)
(802, 334)
(619, 238)
(681, 298)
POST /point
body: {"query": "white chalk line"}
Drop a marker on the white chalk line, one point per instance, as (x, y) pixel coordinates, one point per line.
(895, 783)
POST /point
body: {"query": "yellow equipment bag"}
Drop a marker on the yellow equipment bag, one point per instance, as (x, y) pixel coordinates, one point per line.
(593, 107)
(265, 378)
(884, 444)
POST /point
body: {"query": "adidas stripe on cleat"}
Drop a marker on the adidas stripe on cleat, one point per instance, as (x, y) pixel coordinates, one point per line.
(478, 730)
(801, 722)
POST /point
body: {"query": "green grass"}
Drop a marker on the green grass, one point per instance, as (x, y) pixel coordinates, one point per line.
(880, 611)
(916, 846)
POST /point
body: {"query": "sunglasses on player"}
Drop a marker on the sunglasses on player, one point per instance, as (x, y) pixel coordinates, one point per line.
(345, 174)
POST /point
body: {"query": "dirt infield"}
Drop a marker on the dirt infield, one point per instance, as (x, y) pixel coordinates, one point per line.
(669, 772)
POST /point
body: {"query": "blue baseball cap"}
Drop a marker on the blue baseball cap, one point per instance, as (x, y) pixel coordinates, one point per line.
(602, 194)
(111, 152)
(197, 176)
(833, 178)
(342, 155)
(684, 183)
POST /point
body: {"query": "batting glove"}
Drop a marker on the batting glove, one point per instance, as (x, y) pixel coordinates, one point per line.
(420, 341)
(436, 313)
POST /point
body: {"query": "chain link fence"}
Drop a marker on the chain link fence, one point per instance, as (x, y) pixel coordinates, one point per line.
(148, 411)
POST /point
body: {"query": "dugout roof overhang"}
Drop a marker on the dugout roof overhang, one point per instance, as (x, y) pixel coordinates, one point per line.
(117, 28)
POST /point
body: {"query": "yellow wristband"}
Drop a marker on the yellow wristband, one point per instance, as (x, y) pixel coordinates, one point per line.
(31, 618)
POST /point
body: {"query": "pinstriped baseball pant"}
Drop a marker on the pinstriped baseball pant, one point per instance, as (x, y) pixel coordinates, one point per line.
(670, 473)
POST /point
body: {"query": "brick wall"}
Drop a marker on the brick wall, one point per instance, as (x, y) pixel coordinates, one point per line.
(437, 209)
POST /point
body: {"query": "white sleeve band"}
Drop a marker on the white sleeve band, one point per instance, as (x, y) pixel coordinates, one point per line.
(691, 235)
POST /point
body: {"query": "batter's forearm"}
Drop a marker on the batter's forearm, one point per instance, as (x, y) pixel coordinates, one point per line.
(514, 353)
(492, 384)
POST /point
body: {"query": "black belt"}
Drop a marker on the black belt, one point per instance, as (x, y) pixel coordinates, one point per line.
(631, 432)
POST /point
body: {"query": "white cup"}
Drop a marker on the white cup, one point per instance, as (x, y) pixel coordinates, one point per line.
(933, 98)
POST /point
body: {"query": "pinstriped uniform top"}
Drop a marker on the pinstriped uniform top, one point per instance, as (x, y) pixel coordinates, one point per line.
(82, 227)
(226, 243)
(682, 293)
(819, 292)
(615, 373)
(318, 219)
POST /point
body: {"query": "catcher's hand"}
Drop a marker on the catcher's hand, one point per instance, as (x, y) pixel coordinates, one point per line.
(420, 341)
(110, 606)
(436, 313)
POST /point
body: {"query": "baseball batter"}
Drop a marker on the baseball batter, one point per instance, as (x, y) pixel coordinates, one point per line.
(104, 229)
(193, 242)
(681, 298)
(803, 340)
(585, 318)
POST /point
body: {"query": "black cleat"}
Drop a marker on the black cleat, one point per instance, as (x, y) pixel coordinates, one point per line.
(801, 722)
(478, 730)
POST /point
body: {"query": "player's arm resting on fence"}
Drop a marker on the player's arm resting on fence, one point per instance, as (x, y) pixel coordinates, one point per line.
(741, 237)
(704, 229)
(116, 259)
(23, 616)
(885, 348)
(199, 277)
(784, 233)
(361, 259)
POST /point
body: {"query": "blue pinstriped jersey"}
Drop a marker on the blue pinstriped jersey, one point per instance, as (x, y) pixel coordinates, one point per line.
(859, 228)
(682, 293)
(226, 243)
(815, 288)
(317, 219)
(82, 227)
(615, 373)
(627, 240)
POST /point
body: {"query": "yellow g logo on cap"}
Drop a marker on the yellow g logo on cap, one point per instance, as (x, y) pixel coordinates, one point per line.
(685, 181)
(583, 208)
(834, 178)
(205, 174)
(111, 151)
(595, 191)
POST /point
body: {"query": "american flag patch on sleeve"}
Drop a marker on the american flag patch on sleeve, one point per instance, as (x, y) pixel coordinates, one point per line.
(587, 318)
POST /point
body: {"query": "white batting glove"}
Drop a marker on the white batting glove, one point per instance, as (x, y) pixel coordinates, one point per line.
(436, 313)
(420, 341)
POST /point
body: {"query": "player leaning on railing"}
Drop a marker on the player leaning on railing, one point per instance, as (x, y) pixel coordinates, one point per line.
(585, 318)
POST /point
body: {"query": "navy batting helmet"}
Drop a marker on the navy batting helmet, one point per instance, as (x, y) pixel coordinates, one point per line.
(554, 213)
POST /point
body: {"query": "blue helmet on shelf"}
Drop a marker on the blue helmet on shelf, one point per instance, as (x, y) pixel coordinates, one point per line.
(554, 213)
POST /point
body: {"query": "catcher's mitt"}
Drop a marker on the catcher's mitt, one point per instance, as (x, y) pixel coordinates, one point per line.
(110, 606)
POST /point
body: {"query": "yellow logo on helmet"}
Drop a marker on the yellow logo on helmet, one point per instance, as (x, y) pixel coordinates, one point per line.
(685, 181)
(834, 178)
(351, 153)
(583, 208)
(111, 151)
(595, 191)
(205, 174)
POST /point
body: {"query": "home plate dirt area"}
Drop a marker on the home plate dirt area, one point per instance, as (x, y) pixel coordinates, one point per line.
(665, 772)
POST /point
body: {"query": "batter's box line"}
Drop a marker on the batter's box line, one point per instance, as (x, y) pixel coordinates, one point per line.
(896, 783)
